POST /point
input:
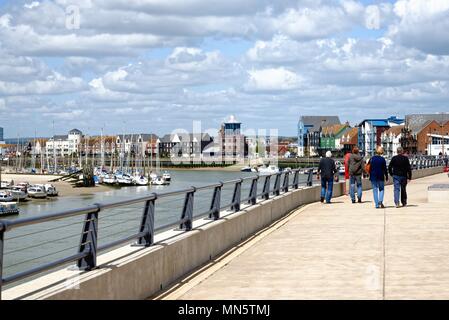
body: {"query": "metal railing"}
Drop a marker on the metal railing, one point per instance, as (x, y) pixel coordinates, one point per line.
(88, 248)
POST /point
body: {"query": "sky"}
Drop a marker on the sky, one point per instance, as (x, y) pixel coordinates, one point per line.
(153, 66)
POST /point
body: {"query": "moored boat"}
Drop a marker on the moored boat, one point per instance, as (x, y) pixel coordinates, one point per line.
(37, 192)
(18, 193)
(8, 208)
(166, 176)
(6, 197)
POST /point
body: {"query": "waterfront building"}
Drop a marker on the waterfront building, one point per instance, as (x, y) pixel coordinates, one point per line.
(64, 145)
(232, 141)
(183, 145)
(419, 127)
(349, 139)
(309, 133)
(331, 137)
(391, 140)
(370, 132)
(430, 135)
(139, 143)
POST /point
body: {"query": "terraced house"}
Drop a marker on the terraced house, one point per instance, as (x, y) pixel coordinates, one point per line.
(331, 137)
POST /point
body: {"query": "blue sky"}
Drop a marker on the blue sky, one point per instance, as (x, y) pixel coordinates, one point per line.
(161, 65)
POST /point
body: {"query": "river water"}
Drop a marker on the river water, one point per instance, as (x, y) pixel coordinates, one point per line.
(32, 246)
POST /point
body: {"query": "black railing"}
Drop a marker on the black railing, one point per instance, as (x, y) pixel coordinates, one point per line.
(88, 249)
(261, 187)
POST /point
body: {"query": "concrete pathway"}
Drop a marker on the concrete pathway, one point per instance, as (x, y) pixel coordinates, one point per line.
(337, 251)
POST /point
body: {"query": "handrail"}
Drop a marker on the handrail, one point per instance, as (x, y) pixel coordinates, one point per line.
(88, 249)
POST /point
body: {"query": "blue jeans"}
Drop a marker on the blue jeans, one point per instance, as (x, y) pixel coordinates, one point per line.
(353, 180)
(327, 186)
(378, 191)
(400, 191)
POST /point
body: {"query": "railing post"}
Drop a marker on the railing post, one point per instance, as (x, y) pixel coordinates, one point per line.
(2, 239)
(310, 178)
(187, 211)
(147, 223)
(237, 196)
(296, 180)
(216, 203)
(88, 243)
(277, 185)
(286, 182)
(253, 192)
(266, 188)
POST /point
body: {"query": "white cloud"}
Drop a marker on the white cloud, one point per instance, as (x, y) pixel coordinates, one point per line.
(31, 5)
(278, 79)
(422, 24)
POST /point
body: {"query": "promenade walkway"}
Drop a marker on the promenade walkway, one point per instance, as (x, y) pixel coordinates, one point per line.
(337, 251)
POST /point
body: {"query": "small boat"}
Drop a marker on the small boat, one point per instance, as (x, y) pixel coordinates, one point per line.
(140, 180)
(110, 179)
(51, 190)
(125, 180)
(269, 170)
(5, 184)
(18, 193)
(166, 176)
(248, 169)
(37, 192)
(6, 197)
(8, 208)
(159, 181)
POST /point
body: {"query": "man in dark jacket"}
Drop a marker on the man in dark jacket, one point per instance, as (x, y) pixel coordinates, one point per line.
(401, 171)
(327, 170)
(356, 169)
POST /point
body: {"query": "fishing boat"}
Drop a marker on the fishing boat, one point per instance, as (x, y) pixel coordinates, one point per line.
(37, 192)
(8, 208)
(6, 197)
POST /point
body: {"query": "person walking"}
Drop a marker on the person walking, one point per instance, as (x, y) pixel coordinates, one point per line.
(346, 163)
(401, 171)
(327, 170)
(378, 174)
(356, 169)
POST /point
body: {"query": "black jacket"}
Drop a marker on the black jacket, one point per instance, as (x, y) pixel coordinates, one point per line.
(400, 166)
(327, 168)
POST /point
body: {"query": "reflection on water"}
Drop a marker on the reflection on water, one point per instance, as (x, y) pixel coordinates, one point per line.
(35, 245)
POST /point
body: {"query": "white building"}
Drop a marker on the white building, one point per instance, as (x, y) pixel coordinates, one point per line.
(391, 141)
(64, 145)
(438, 144)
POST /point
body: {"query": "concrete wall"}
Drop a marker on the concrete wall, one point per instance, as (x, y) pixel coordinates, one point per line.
(136, 273)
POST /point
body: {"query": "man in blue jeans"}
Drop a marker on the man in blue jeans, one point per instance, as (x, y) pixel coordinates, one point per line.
(327, 170)
(356, 169)
(401, 171)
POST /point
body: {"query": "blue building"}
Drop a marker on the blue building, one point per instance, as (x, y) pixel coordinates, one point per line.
(309, 133)
(370, 133)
